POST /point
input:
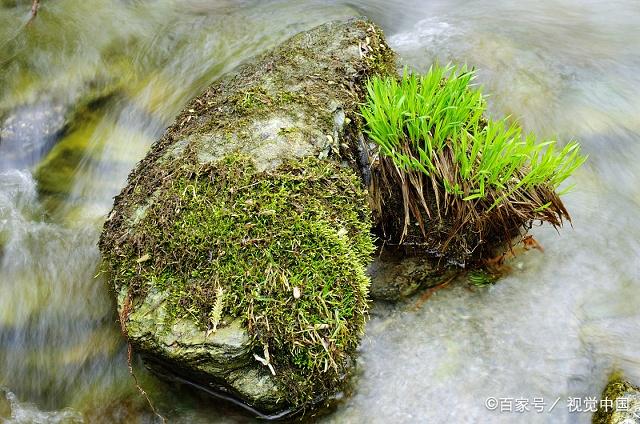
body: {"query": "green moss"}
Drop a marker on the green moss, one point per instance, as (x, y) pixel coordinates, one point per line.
(616, 387)
(286, 250)
(257, 99)
(380, 58)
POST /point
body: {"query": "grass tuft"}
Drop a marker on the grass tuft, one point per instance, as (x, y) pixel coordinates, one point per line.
(469, 179)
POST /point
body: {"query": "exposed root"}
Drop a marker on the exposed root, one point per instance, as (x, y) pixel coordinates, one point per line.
(427, 294)
(528, 243)
(124, 314)
(415, 209)
(35, 6)
(494, 268)
(140, 389)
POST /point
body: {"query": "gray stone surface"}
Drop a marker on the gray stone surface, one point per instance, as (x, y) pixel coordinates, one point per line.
(395, 275)
(299, 100)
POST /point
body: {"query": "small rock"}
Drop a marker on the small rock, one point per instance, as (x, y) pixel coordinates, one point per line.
(395, 276)
(620, 403)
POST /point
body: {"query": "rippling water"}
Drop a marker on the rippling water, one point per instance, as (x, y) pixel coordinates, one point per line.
(554, 328)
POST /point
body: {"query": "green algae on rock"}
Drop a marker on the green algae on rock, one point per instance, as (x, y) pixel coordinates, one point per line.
(620, 403)
(238, 249)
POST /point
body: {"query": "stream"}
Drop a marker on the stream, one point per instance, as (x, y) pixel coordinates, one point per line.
(105, 77)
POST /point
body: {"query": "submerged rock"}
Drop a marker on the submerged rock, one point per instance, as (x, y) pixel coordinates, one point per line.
(397, 275)
(30, 130)
(620, 403)
(5, 405)
(238, 250)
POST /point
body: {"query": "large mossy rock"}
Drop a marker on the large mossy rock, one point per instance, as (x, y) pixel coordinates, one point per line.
(238, 249)
(621, 403)
(29, 130)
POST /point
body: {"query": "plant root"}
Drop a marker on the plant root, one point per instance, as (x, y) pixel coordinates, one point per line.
(126, 309)
(35, 6)
(427, 294)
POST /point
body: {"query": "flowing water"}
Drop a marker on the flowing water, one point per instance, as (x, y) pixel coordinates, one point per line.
(554, 328)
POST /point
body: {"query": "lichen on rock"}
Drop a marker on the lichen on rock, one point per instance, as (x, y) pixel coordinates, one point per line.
(620, 403)
(238, 249)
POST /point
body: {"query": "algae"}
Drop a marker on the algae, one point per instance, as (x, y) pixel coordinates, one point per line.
(616, 388)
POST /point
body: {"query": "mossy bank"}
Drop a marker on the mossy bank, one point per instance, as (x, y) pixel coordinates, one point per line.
(238, 249)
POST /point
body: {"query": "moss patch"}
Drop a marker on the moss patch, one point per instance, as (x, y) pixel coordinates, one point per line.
(616, 388)
(285, 250)
(300, 79)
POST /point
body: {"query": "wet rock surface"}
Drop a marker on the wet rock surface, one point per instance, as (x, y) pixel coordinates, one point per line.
(28, 132)
(297, 102)
(620, 403)
(396, 275)
(224, 356)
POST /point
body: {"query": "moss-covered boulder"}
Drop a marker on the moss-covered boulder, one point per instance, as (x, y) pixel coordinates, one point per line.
(238, 249)
(620, 403)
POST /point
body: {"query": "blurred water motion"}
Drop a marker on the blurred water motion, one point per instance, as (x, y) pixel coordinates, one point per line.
(555, 327)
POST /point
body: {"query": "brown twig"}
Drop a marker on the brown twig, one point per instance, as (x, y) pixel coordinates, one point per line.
(35, 5)
(140, 389)
(528, 243)
(124, 314)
